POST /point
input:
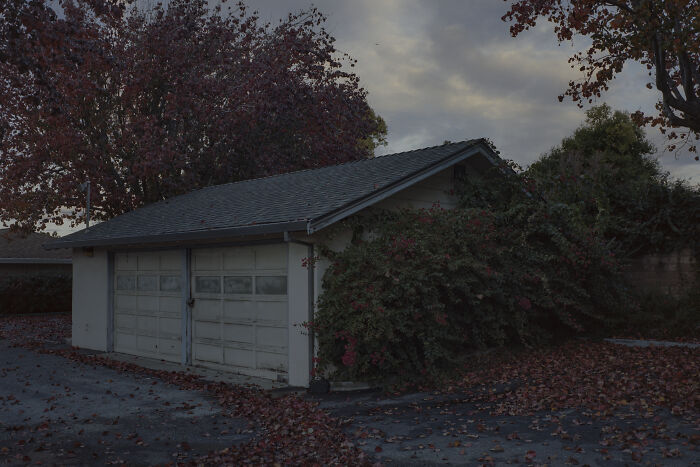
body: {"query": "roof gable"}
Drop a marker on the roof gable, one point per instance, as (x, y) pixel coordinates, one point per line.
(305, 200)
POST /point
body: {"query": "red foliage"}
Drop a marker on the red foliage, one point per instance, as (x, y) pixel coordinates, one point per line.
(150, 104)
(292, 431)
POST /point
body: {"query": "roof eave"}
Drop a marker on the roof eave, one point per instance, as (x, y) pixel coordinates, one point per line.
(184, 237)
(324, 221)
(35, 261)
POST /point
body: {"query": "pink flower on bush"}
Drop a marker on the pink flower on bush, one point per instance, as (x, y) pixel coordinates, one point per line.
(349, 357)
(377, 358)
(525, 303)
(441, 318)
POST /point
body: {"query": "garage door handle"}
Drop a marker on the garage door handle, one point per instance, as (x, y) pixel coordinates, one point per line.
(190, 302)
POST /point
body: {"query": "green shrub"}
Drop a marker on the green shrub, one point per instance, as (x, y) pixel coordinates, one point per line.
(607, 174)
(417, 290)
(35, 293)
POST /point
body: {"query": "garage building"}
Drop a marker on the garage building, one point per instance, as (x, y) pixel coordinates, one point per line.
(215, 277)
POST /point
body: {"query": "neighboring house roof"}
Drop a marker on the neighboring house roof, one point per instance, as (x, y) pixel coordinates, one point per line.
(305, 200)
(16, 248)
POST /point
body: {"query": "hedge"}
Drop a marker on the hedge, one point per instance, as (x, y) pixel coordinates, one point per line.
(35, 293)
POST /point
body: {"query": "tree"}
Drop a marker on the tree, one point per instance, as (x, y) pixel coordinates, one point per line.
(660, 34)
(606, 175)
(150, 104)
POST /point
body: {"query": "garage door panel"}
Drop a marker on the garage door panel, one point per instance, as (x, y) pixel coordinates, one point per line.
(147, 303)
(239, 310)
(124, 341)
(125, 262)
(207, 310)
(123, 321)
(239, 357)
(147, 325)
(242, 258)
(207, 330)
(169, 347)
(276, 337)
(272, 311)
(206, 260)
(239, 333)
(170, 327)
(148, 344)
(125, 302)
(147, 261)
(272, 361)
(171, 260)
(208, 353)
(170, 305)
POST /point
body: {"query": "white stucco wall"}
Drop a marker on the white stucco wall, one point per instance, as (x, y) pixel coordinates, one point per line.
(436, 189)
(90, 299)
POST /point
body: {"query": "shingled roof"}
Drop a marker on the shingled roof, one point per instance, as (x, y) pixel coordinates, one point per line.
(306, 200)
(17, 248)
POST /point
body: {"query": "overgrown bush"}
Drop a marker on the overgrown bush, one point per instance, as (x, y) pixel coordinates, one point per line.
(607, 174)
(528, 257)
(417, 290)
(35, 293)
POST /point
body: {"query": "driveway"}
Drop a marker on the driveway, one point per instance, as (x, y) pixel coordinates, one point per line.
(57, 411)
(576, 404)
(438, 429)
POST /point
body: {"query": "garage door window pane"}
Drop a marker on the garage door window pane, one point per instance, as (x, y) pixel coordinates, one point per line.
(238, 284)
(148, 283)
(126, 282)
(208, 284)
(170, 284)
(271, 285)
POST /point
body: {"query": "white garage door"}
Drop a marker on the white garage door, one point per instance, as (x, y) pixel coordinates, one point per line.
(148, 304)
(240, 309)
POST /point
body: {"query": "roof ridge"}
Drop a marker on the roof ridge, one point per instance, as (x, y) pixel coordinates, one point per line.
(334, 165)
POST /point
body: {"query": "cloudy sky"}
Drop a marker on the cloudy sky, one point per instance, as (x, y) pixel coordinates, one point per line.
(449, 70)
